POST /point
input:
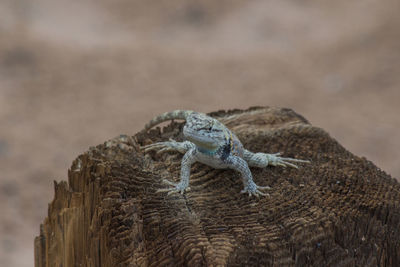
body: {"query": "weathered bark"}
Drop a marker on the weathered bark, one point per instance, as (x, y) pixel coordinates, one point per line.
(340, 210)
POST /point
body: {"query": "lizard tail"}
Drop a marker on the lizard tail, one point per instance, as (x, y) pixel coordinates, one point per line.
(173, 115)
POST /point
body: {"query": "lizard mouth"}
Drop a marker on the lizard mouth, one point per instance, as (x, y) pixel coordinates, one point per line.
(200, 139)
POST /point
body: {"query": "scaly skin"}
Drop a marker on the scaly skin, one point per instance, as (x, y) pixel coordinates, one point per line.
(212, 143)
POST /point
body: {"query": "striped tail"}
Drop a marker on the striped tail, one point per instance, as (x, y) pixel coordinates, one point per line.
(173, 115)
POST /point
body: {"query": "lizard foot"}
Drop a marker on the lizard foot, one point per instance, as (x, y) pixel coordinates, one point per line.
(177, 188)
(276, 160)
(254, 190)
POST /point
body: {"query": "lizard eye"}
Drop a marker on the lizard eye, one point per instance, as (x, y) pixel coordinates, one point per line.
(210, 128)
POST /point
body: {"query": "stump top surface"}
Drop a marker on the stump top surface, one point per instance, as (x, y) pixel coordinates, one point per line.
(339, 210)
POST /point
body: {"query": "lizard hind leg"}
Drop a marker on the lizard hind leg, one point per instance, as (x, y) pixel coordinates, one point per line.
(263, 160)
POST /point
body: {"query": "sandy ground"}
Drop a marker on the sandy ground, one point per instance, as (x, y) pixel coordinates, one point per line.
(76, 73)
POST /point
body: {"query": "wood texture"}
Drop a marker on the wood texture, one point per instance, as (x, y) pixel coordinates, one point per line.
(340, 210)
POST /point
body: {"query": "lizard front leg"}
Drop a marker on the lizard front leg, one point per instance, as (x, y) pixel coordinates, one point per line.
(262, 160)
(250, 187)
(170, 145)
(188, 159)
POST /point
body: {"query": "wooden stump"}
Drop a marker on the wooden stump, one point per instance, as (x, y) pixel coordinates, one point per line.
(340, 210)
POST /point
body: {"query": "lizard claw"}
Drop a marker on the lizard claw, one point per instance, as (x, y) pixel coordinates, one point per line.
(276, 160)
(167, 146)
(176, 188)
(161, 147)
(254, 190)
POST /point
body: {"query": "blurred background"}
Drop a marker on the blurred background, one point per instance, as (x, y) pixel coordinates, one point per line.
(76, 73)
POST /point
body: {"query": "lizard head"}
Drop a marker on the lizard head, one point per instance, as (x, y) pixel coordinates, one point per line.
(204, 131)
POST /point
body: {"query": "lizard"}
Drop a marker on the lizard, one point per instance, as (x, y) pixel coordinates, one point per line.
(210, 142)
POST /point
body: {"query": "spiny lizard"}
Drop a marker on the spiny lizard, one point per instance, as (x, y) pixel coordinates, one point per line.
(212, 143)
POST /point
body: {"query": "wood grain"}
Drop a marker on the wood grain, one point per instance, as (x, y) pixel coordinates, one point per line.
(340, 210)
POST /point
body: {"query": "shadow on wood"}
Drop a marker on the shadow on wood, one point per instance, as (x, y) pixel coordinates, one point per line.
(340, 210)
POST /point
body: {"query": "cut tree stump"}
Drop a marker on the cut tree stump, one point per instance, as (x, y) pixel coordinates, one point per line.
(340, 210)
